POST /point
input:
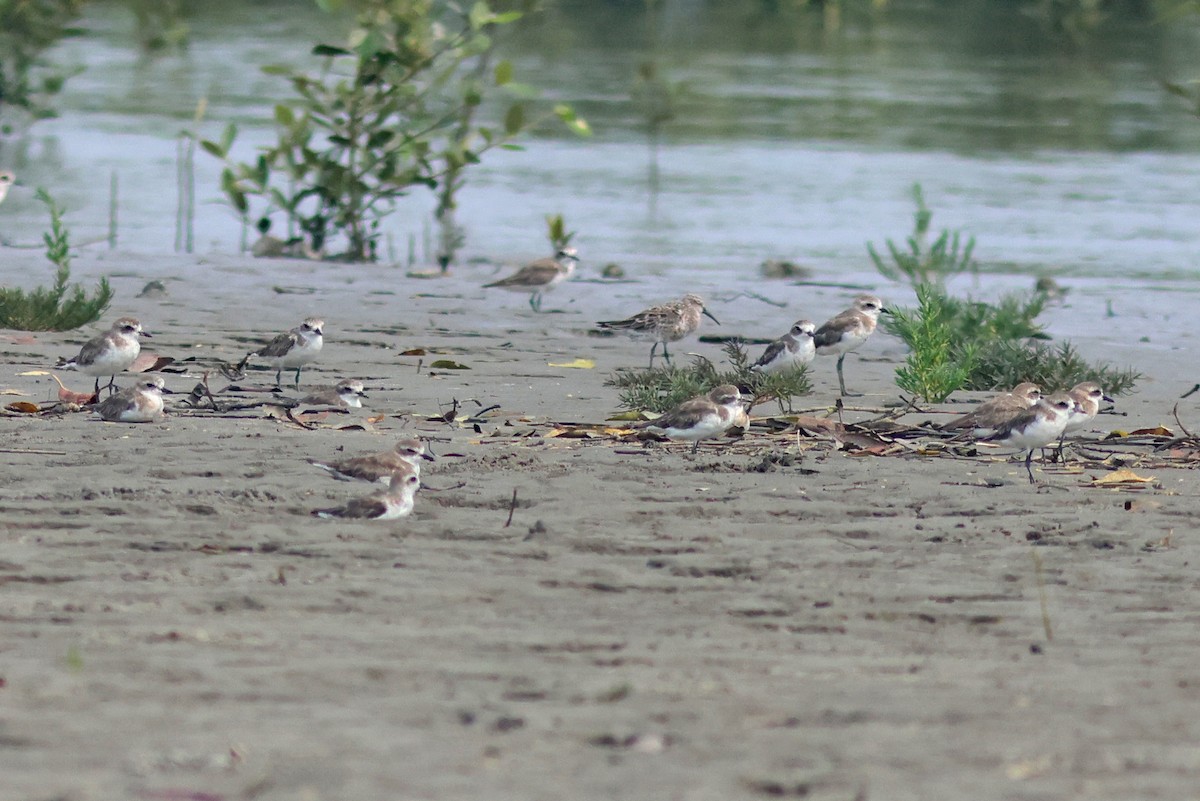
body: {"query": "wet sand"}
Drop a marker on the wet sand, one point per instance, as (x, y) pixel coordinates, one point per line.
(771, 618)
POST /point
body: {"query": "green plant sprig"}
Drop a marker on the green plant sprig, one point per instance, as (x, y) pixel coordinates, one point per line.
(61, 307)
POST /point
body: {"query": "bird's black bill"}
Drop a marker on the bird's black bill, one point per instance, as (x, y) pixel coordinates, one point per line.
(708, 314)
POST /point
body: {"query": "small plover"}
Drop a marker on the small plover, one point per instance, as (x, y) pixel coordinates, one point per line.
(110, 353)
(794, 349)
(667, 322)
(847, 331)
(1087, 397)
(540, 276)
(386, 504)
(701, 418)
(295, 348)
(141, 403)
(1036, 427)
(407, 454)
(995, 412)
(7, 179)
(346, 394)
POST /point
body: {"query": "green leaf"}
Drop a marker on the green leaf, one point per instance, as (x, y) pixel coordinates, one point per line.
(228, 136)
(277, 69)
(577, 124)
(504, 72)
(330, 50)
(284, 115)
(514, 120)
(213, 148)
(480, 15)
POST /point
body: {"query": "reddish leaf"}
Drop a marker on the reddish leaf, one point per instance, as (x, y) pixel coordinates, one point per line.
(147, 362)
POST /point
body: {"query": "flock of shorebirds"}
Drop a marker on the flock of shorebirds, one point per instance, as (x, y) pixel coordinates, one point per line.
(1022, 418)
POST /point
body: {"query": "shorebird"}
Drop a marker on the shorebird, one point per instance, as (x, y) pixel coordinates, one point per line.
(667, 322)
(407, 454)
(794, 349)
(141, 403)
(346, 394)
(386, 504)
(540, 276)
(995, 412)
(295, 348)
(110, 353)
(847, 331)
(1036, 427)
(700, 418)
(7, 179)
(1087, 396)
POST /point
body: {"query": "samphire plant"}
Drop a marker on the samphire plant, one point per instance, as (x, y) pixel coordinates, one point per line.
(60, 307)
(965, 344)
(661, 388)
(397, 106)
(918, 262)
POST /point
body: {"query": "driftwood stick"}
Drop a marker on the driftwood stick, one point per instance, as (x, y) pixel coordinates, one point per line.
(512, 507)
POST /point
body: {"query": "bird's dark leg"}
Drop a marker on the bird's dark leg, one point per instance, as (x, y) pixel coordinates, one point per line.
(666, 356)
(1062, 457)
(695, 447)
(298, 369)
(96, 391)
(112, 385)
(842, 381)
(653, 348)
(279, 377)
(1028, 465)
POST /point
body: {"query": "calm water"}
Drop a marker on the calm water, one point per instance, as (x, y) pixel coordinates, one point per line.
(790, 141)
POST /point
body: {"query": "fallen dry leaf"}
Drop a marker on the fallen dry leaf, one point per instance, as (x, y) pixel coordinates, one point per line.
(447, 364)
(574, 364)
(71, 396)
(149, 362)
(23, 407)
(413, 352)
(16, 392)
(1157, 431)
(1118, 477)
(379, 418)
(627, 416)
(35, 372)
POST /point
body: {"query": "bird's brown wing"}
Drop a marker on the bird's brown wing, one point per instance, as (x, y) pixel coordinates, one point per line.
(685, 415)
(90, 351)
(771, 353)
(369, 507)
(279, 346)
(536, 273)
(113, 407)
(831, 330)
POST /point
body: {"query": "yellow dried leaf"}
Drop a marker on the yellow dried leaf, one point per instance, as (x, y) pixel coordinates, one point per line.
(23, 407)
(574, 364)
(35, 372)
(1122, 476)
(554, 432)
(628, 416)
(448, 364)
(379, 418)
(1157, 431)
(16, 392)
(618, 432)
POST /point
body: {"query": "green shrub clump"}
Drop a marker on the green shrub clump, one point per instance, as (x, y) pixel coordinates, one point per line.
(60, 307)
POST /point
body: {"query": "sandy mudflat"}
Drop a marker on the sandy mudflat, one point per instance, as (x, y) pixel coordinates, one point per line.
(174, 625)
